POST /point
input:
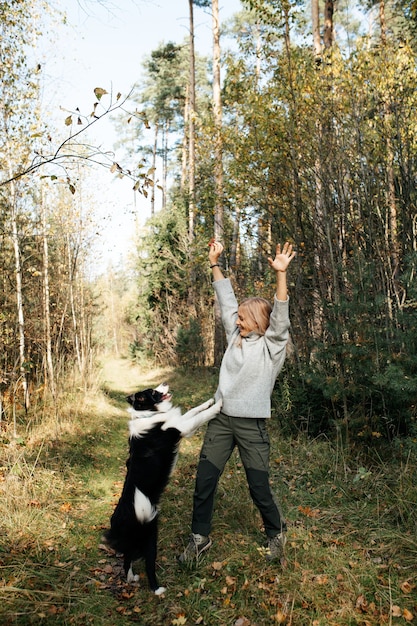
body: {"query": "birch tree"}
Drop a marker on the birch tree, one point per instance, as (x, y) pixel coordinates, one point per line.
(18, 119)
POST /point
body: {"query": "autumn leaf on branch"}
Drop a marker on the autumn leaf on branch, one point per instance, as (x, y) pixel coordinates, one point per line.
(99, 92)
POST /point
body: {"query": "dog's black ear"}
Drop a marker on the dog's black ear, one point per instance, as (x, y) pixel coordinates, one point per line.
(135, 397)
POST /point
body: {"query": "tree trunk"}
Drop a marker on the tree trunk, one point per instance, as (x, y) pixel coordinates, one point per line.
(154, 152)
(217, 111)
(382, 22)
(184, 159)
(71, 272)
(392, 244)
(328, 36)
(191, 131)
(50, 374)
(235, 250)
(19, 295)
(165, 135)
(315, 18)
(218, 171)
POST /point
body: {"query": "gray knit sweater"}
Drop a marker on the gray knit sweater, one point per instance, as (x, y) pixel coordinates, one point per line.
(248, 372)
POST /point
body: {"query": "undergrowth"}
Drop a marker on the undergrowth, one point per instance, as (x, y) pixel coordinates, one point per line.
(352, 540)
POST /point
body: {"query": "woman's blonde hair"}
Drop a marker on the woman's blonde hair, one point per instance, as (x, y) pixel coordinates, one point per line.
(258, 311)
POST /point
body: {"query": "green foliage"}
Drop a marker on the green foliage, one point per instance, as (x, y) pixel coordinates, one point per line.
(190, 345)
(162, 267)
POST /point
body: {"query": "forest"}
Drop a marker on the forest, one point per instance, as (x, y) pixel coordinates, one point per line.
(303, 128)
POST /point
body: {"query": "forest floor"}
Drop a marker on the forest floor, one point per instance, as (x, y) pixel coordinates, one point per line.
(352, 538)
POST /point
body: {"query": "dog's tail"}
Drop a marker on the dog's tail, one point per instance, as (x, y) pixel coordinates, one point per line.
(145, 511)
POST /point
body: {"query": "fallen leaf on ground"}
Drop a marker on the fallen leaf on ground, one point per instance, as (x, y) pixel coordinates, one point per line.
(217, 565)
(242, 621)
(308, 511)
(396, 611)
(406, 587)
(280, 617)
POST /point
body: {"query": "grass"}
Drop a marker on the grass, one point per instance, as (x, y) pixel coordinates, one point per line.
(352, 541)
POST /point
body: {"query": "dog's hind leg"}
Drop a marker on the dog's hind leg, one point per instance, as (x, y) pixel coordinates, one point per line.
(127, 566)
(150, 565)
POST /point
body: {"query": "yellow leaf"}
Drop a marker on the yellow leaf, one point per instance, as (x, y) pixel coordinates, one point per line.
(321, 579)
(217, 565)
(396, 611)
(68, 120)
(127, 596)
(406, 587)
(99, 92)
(407, 615)
(180, 620)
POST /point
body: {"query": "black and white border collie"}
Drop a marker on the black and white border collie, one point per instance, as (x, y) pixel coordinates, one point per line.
(156, 428)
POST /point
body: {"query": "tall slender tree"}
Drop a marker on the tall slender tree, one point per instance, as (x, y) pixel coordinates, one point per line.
(18, 111)
(191, 128)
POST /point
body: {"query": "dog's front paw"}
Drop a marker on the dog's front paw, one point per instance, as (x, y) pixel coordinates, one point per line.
(206, 405)
(160, 591)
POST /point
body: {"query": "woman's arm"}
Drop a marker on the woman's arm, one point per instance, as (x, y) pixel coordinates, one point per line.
(215, 251)
(279, 265)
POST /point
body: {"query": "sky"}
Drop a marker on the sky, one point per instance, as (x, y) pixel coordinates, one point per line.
(103, 45)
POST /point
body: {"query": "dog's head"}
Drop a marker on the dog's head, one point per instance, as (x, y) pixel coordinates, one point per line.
(153, 400)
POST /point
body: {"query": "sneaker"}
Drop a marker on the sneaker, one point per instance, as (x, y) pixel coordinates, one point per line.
(196, 546)
(276, 545)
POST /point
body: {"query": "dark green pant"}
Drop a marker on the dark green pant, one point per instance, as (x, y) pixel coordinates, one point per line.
(251, 437)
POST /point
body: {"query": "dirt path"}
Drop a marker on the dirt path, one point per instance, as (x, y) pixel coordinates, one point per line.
(120, 375)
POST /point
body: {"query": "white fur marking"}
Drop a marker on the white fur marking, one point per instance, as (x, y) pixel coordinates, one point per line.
(131, 577)
(139, 427)
(160, 591)
(144, 509)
